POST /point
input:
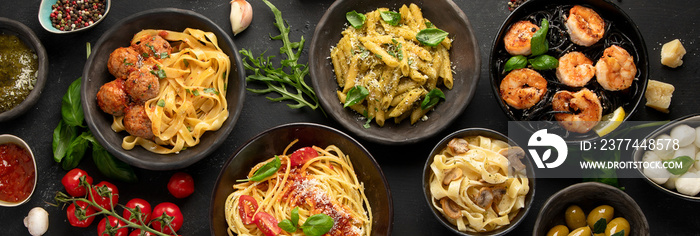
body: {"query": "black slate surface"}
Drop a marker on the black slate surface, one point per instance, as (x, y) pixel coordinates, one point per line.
(659, 21)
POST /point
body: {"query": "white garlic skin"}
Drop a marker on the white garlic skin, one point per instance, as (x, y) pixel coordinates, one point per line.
(241, 15)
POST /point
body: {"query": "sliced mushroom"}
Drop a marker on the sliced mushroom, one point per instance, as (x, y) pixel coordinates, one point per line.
(498, 193)
(451, 209)
(484, 198)
(514, 154)
(458, 146)
(452, 175)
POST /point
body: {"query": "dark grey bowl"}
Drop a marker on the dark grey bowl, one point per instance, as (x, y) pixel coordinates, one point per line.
(27, 36)
(464, 56)
(95, 74)
(275, 140)
(490, 134)
(638, 154)
(624, 30)
(589, 195)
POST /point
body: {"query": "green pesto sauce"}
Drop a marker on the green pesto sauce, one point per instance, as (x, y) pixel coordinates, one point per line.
(18, 71)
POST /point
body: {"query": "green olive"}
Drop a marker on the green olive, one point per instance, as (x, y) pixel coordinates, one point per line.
(582, 231)
(559, 230)
(616, 225)
(575, 217)
(602, 211)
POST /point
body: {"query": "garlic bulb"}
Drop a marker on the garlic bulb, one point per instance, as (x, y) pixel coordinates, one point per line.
(241, 15)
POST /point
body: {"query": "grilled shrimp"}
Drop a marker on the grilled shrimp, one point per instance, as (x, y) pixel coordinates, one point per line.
(615, 70)
(580, 111)
(575, 69)
(585, 26)
(523, 88)
(517, 40)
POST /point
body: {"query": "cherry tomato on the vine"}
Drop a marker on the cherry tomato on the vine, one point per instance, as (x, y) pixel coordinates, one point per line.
(100, 194)
(181, 185)
(302, 155)
(114, 223)
(82, 212)
(246, 208)
(141, 206)
(139, 233)
(71, 181)
(168, 213)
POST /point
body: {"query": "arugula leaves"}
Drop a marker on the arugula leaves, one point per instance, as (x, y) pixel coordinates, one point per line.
(278, 79)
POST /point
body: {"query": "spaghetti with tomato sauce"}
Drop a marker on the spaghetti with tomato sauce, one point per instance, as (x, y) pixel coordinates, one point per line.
(316, 180)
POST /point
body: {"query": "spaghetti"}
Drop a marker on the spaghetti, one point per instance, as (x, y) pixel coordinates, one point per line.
(475, 186)
(324, 184)
(192, 95)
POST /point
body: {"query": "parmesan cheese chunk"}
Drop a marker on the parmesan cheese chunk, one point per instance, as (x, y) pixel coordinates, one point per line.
(672, 54)
(659, 95)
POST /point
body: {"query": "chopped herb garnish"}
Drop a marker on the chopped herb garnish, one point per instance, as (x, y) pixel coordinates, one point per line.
(211, 90)
(429, 24)
(161, 103)
(164, 55)
(195, 92)
(160, 73)
(152, 48)
(128, 63)
(145, 54)
(187, 63)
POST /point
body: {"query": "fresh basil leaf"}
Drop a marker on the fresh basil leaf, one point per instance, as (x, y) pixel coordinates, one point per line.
(367, 124)
(516, 62)
(599, 226)
(71, 109)
(317, 225)
(355, 95)
(538, 43)
(265, 171)
(684, 162)
(391, 17)
(76, 151)
(286, 225)
(295, 217)
(431, 36)
(544, 62)
(62, 136)
(429, 24)
(432, 98)
(621, 233)
(110, 166)
(356, 19)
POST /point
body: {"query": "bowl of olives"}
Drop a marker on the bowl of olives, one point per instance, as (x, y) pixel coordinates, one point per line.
(590, 208)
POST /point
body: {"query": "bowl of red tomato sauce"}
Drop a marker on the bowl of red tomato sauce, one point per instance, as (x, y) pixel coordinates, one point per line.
(17, 171)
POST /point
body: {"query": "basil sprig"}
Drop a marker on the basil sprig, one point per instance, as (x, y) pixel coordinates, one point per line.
(317, 225)
(290, 225)
(391, 17)
(431, 36)
(432, 98)
(265, 171)
(71, 109)
(538, 43)
(355, 95)
(356, 19)
(544, 62)
(684, 162)
(516, 62)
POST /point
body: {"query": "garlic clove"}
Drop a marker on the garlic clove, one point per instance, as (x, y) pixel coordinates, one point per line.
(241, 15)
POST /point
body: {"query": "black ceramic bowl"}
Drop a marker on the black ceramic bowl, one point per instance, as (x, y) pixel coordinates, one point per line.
(427, 172)
(95, 74)
(275, 140)
(464, 55)
(638, 154)
(620, 30)
(27, 36)
(589, 195)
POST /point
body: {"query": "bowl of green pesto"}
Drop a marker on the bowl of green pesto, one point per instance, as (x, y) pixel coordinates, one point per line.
(24, 68)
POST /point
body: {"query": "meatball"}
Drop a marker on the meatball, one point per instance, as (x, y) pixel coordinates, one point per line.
(153, 45)
(112, 98)
(137, 123)
(123, 61)
(141, 85)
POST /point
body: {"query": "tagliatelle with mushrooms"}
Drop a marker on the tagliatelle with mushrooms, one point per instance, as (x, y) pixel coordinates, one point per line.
(478, 183)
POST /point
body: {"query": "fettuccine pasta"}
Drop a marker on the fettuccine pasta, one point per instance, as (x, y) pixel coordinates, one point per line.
(192, 96)
(475, 186)
(324, 184)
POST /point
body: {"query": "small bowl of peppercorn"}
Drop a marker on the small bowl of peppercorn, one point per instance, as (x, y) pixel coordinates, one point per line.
(68, 16)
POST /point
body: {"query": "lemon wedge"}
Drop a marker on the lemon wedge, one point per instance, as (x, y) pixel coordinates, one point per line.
(610, 122)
